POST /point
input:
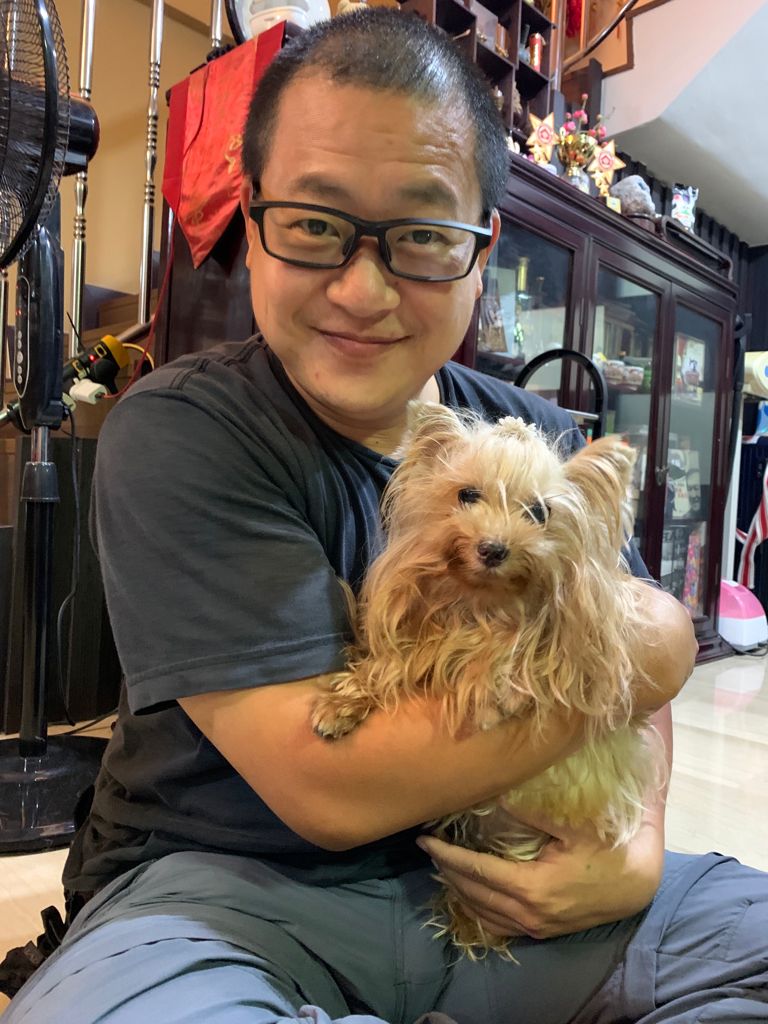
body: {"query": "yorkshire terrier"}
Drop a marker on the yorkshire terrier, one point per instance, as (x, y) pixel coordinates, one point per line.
(502, 590)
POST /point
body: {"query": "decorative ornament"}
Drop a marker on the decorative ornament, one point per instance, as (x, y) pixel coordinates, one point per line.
(576, 144)
(348, 6)
(635, 196)
(684, 205)
(604, 165)
(543, 138)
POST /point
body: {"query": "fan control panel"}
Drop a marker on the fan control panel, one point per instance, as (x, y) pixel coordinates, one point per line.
(21, 339)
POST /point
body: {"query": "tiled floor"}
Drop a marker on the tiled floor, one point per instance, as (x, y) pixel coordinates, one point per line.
(717, 795)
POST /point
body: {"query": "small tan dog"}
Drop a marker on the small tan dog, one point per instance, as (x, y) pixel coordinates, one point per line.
(502, 591)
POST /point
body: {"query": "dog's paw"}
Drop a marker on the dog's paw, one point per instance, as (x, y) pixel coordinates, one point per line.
(333, 718)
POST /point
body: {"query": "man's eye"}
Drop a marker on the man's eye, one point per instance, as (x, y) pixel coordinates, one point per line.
(421, 238)
(537, 511)
(469, 495)
(314, 226)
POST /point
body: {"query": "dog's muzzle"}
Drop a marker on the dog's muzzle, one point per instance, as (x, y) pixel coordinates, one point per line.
(492, 553)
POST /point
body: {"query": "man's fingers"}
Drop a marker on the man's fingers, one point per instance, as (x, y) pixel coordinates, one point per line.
(505, 913)
(492, 871)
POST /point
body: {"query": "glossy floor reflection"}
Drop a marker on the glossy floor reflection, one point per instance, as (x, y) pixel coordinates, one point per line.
(720, 776)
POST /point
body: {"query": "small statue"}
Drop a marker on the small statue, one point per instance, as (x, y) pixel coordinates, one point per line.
(635, 196)
(347, 6)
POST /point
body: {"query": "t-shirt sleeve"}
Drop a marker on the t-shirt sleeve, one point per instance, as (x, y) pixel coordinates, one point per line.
(213, 575)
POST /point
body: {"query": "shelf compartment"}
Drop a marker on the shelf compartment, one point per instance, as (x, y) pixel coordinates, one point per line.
(491, 63)
(530, 82)
(538, 22)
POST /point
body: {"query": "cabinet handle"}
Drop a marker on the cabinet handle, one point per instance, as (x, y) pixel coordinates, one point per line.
(661, 474)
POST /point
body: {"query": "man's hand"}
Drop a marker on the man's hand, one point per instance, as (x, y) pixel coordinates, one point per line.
(577, 882)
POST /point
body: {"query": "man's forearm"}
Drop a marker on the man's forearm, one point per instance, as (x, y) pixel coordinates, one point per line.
(393, 772)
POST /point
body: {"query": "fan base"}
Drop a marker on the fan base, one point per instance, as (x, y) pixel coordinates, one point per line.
(38, 795)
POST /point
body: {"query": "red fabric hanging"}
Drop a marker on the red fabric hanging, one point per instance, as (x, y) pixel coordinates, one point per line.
(573, 16)
(202, 175)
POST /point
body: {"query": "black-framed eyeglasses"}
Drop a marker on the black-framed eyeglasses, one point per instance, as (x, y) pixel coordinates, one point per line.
(322, 238)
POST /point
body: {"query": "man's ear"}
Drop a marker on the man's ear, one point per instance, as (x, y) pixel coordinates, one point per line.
(485, 254)
(246, 194)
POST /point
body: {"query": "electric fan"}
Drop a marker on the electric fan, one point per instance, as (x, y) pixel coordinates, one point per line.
(44, 133)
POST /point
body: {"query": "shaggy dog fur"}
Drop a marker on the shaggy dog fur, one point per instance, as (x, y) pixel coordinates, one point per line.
(502, 591)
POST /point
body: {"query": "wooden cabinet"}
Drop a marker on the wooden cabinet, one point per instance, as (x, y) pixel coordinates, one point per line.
(502, 37)
(569, 273)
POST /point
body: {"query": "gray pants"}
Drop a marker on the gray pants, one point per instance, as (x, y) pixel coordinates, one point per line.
(223, 940)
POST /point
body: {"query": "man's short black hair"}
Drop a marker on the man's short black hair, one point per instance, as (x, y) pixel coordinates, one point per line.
(383, 48)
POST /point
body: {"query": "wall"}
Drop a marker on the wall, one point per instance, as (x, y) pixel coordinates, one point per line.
(672, 44)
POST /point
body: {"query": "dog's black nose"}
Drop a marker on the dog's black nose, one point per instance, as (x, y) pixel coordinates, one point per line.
(492, 552)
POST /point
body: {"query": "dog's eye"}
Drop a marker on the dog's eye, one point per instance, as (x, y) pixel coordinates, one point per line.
(469, 495)
(538, 512)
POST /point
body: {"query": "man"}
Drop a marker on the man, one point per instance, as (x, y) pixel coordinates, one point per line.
(244, 869)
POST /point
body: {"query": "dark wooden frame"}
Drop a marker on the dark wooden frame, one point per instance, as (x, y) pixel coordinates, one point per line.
(542, 203)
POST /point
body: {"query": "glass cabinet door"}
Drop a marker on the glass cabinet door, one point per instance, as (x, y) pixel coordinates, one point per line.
(524, 306)
(690, 443)
(626, 319)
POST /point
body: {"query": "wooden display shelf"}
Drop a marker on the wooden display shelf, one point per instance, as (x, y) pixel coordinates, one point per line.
(532, 16)
(491, 63)
(530, 82)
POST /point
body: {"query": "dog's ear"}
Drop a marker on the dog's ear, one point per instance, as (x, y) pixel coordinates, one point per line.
(602, 471)
(430, 427)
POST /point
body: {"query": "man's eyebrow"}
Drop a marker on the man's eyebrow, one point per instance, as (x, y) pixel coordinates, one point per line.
(428, 193)
(320, 188)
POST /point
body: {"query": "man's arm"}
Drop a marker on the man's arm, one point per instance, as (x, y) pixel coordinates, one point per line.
(401, 769)
(577, 882)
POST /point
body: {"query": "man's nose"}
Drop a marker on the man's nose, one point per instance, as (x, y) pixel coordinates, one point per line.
(364, 287)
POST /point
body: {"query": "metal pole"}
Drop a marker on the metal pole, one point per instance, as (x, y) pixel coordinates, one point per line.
(81, 185)
(560, 14)
(155, 53)
(217, 22)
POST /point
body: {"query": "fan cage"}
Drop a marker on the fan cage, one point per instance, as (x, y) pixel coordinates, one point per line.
(34, 119)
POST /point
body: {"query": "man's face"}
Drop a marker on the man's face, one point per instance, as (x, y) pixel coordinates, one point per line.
(358, 342)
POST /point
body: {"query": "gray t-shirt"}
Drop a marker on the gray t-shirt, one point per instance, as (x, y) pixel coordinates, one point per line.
(223, 512)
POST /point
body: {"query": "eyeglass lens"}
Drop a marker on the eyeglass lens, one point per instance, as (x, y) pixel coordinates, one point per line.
(323, 240)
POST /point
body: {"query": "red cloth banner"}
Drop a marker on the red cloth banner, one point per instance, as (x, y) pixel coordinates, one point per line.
(202, 175)
(573, 16)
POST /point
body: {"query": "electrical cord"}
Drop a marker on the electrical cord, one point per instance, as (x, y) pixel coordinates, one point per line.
(140, 348)
(152, 324)
(76, 332)
(89, 725)
(761, 652)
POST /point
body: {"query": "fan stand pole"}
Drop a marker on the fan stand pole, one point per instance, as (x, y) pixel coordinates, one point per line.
(41, 778)
(39, 496)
